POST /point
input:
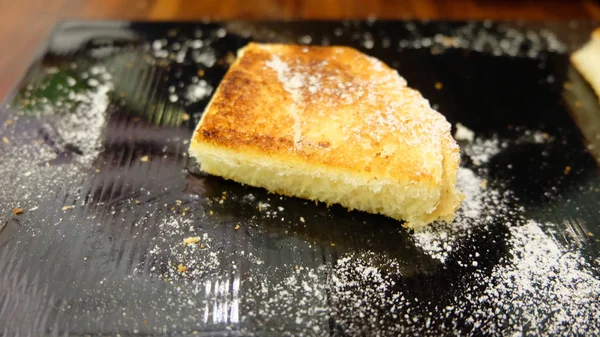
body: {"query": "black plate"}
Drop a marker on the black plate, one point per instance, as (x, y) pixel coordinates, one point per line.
(94, 152)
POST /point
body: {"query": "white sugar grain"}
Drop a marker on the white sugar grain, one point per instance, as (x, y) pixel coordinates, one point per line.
(464, 133)
(198, 91)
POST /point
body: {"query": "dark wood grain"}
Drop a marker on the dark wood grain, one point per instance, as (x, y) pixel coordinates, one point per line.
(25, 24)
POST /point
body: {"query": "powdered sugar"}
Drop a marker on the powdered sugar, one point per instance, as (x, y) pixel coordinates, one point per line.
(540, 287)
(296, 78)
(83, 128)
(68, 129)
(543, 288)
(439, 240)
(198, 91)
(293, 82)
(482, 150)
(374, 106)
(183, 261)
(495, 38)
(360, 289)
(206, 57)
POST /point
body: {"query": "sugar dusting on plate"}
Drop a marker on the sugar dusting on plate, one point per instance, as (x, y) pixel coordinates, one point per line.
(538, 286)
(68, 129)
(542, 287)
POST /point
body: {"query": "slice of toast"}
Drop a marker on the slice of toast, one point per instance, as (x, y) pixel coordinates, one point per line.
(334, 125)
(587, 61)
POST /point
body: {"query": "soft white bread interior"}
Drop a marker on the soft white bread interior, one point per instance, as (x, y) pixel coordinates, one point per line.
(587, 61)
(334, 125)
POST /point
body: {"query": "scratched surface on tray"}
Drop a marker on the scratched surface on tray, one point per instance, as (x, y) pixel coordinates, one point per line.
(109, 228)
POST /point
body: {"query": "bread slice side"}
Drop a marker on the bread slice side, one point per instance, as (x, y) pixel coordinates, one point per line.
(587, 61)
(416, 204)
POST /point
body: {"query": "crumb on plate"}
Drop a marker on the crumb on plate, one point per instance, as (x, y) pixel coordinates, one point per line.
(181, 268)
(192, 240)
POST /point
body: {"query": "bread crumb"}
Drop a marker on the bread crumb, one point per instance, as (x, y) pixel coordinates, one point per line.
(200, 72)
(5, 140)
(17, 211)
(8, 122)
(229, 58)
(137, 202)
(332, 244)
(97, 171)
(237, 227)
(66, 208)
(567, 169)
(192, 240)
(449, 41)
(144, 159)
(439, 85)
(464, 133)
(178, 202)
(181, 268)
(484, 184)
(590, 234)
(301, 219)
(211, 212)
(185, 117)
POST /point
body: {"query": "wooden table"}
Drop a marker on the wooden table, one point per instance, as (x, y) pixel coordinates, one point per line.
(25, 24)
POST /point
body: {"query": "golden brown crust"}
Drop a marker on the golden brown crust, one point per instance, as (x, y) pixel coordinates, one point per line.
(251, 111)
(332, 109)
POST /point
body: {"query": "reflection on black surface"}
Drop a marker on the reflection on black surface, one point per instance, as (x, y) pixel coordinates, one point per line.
(320, 225)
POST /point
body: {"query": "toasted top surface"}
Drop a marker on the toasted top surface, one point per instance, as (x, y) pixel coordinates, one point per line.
(330, 106)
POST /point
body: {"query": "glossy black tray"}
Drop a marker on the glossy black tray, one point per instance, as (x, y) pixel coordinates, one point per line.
(94, 152)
